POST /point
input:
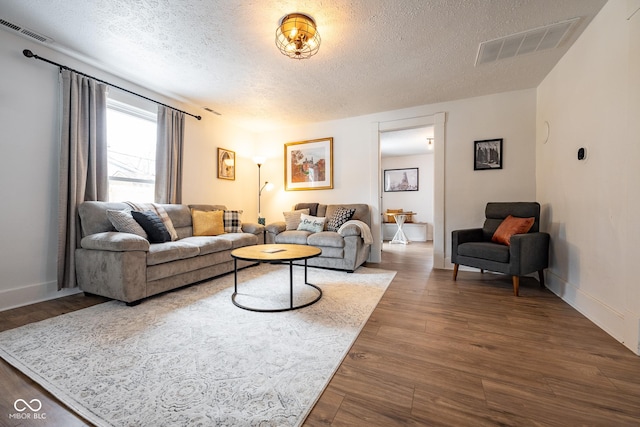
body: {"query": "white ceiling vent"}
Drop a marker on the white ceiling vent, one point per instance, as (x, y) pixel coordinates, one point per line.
(25, 32)
(548, 37)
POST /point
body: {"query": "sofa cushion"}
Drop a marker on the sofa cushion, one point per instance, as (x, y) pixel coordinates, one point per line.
(232, 221)
(329, 239)
(208, 244)
(339, 217)
(313, 207)
(485, 250)
(154, 227)
(208, 223)
(123, 222)
(239, 240)
(170, 251)
(292, 219)
(310, 223)
(295, 237)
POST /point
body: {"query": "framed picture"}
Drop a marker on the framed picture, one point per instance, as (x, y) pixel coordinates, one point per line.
(487, 154)
(401, 179)
(308, 165)
(226, 164)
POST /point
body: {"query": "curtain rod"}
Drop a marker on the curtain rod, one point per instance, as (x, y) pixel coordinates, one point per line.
(30, 54)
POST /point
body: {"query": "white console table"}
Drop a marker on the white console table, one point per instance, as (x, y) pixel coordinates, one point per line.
(414, 231)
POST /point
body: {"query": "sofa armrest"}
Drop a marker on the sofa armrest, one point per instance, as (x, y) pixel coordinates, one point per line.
(529, 252)
(350, 230)
(252, 227)
(115, 242)
(276, 227)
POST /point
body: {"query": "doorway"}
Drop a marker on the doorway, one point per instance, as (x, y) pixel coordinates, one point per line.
(406, 160)
(437, 121)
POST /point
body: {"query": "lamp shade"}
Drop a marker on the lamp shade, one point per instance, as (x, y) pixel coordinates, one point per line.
(297, 36)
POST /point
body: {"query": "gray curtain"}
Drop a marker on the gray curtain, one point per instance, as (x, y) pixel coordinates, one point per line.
(169, 149)
(83, 162)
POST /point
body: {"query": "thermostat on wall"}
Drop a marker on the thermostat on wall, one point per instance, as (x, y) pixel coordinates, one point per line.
(582, 153)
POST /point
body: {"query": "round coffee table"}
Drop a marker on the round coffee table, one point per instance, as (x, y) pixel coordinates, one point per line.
(273, 253)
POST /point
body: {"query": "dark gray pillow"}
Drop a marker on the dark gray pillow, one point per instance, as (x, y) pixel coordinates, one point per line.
(153, 226)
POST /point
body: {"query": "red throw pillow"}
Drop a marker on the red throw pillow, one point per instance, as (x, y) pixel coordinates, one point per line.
(509, 226)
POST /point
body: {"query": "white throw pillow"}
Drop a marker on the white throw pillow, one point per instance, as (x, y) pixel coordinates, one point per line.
(310, 223)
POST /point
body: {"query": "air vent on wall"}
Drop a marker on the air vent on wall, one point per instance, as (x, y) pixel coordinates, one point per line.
(547, 37)
(25, 32)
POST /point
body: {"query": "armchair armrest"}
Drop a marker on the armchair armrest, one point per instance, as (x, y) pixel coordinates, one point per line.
(459, 237)
(114, 241)
(253, 228)
(529, 252)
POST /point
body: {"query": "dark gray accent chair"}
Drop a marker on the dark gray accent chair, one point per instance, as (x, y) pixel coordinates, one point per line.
(527, 253)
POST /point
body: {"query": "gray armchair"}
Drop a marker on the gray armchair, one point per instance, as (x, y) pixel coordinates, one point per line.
(526, 254)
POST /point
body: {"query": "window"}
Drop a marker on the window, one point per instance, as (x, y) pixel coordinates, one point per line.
(131, 151)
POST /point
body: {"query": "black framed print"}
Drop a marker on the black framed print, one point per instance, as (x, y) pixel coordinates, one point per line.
(487, 154)
(401, 179)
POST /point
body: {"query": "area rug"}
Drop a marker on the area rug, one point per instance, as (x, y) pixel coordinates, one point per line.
(190, 357)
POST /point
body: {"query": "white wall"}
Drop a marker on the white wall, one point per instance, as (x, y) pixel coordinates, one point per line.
(591, 99)
(420, 201)
(29, 141)
(508, 115)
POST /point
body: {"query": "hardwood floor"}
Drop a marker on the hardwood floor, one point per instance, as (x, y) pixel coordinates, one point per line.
(438, 353)
(468, 353)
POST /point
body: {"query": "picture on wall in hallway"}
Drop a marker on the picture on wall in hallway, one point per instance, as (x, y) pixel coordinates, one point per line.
(487, 154)
(401, 179)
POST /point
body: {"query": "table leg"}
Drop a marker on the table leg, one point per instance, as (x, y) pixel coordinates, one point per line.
(291, 283)
(235, 275)
(400, 237)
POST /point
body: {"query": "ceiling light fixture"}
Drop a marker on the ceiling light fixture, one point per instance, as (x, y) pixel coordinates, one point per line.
(297, 36)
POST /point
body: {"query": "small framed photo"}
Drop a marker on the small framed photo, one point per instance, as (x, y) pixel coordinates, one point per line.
(487, 154)
(401, 179)
(226, 164)
(308, 165)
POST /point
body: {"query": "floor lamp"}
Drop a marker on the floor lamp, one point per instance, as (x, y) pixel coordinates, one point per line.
(266, 186)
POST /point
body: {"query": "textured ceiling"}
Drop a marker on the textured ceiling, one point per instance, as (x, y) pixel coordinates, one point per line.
(376, 55)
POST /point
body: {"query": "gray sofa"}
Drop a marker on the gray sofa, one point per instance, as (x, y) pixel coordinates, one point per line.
(128, 268)
(346, 250)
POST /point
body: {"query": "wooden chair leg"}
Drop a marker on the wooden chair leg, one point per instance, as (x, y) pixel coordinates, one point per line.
(516, 284)
(541, 276)
(455, 272)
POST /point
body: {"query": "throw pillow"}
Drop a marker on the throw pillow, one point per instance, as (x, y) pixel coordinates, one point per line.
(153, 226)
(124, 223)
(232, 221)
(339, 217)
(310, 223)
(207, 223)
(292, 219)
(509, 226)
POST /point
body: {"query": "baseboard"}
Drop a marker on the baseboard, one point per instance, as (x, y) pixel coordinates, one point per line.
(31, 294)
(605, 317)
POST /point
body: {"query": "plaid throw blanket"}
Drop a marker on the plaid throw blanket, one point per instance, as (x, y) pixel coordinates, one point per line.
(160, 211)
